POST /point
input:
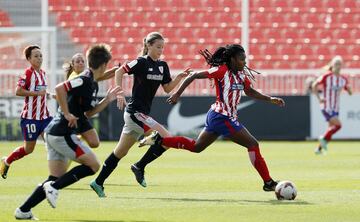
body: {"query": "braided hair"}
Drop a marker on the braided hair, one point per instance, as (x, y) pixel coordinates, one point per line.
(223, 55)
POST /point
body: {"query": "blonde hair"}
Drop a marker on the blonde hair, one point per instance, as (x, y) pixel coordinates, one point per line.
(330, 65)
(150, 39)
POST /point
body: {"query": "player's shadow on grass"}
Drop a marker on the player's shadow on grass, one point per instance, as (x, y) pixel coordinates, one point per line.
(110, 185)
(100, 220)
(237, 201)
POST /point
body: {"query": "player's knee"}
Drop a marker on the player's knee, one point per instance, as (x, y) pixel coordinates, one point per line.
(94, 144)
(29, 150)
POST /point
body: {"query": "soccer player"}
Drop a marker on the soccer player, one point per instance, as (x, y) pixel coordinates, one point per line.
(73, 69)
(332, 84)
(35, 115)
(77, 100)
(231, 77)
(149, 73)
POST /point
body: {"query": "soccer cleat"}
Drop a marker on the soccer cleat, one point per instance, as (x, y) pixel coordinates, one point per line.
(99, 190)
(318, 151)
(270, 185)
(153, 138)
(19, 215)
(323, 143)
(51, 193)
(4, 168)
(139, 175)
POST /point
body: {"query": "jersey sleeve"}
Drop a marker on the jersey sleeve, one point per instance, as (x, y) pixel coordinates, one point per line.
(167, 76)
(79, 85)
(321, 80)
(24, 80)
(133, 67)
(217, 72)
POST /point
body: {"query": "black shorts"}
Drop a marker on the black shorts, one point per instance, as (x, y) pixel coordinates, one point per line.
(83, 125)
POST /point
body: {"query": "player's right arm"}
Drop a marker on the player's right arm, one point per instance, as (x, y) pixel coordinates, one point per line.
(61, 95)
(315, 89)
(213, 73)
(188, 80)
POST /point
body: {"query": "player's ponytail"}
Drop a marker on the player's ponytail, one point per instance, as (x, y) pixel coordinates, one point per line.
(149, 40)
(68, 68)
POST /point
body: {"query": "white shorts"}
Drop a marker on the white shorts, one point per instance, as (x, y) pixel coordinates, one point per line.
(137, 124)
(66, 147)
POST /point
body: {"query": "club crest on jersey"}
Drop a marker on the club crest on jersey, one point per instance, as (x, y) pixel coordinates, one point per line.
(161, 69)
(237, 86)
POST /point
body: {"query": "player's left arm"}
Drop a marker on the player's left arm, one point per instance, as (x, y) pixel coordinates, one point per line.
(168, 87)
(347, 87)
(251, 92)
(111, 95)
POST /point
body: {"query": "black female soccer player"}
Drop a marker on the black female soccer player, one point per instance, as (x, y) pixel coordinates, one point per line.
(231, 77)
(77, 100)
(149, 72)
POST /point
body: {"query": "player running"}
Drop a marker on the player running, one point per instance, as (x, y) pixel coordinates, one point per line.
(231, 77)
(35, 115)
(332, 84)
(77, 100)
(73, 69)
(149, 73)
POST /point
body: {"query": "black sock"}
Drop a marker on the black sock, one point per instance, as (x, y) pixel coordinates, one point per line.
(72, 176)
(153, 153)
(108, 167)
(36, 197)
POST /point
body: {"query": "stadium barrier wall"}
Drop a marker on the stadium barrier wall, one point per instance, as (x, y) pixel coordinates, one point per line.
(349, 116)
(263, 120)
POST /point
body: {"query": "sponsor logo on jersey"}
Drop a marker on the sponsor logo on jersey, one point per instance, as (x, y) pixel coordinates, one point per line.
(154, 77)
(40, 87)
(237, 86)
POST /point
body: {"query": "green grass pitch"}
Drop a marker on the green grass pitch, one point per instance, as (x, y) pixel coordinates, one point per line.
(217, 185)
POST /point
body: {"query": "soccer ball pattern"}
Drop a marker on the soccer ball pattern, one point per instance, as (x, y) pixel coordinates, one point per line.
(285, 190)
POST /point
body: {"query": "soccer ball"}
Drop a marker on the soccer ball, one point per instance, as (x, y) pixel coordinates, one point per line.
(285, 190)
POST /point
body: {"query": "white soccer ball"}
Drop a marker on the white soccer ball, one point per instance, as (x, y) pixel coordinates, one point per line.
(285, 190)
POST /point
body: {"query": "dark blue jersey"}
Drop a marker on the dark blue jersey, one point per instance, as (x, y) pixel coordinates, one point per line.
(148, 75)
(81, 97)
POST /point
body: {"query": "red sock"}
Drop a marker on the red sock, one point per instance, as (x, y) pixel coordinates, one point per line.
(18, 153)
(179, 142)
(259, 163)
(331, 131)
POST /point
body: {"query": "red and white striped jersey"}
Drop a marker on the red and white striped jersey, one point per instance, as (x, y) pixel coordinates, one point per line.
(35, 106)
(332, 85)
(228, 89)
